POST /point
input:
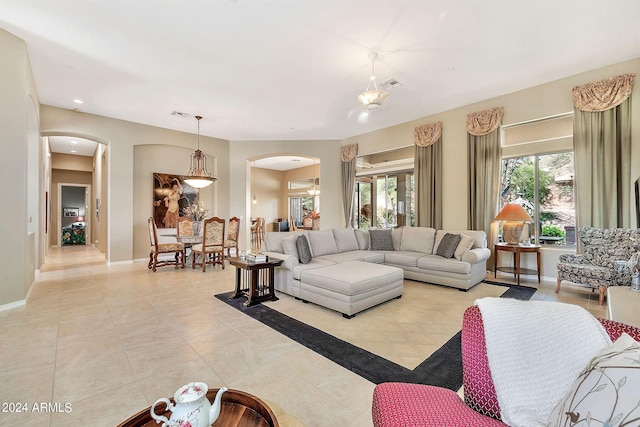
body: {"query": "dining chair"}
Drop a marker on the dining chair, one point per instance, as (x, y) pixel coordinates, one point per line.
(211, 250)
(257, 233)
(292, 224)
(185, 226)
(158, 248)
(232, 236)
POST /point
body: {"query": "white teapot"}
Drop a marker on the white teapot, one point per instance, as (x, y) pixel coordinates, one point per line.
(192, 408)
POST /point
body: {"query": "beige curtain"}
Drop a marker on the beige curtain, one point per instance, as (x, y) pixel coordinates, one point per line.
(484, 158)
(428, 175)
(348, 157)
(602, 146)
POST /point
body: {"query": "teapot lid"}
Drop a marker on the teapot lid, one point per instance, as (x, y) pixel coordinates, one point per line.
(190, 392)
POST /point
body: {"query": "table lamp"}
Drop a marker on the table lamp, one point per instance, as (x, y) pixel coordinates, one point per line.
(513, 218)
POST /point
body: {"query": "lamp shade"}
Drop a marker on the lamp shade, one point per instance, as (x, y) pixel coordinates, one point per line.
(513, 217)
(513, 212)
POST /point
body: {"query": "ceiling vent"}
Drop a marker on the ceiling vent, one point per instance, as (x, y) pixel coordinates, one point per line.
(180, 114)
(389, 84)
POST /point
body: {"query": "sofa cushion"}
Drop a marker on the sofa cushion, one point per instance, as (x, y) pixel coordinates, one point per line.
(352, 278)
(466, 242)
(297, 270)
(345, 239)
(403, 258)
(381, 240)
(273, 241)
(362, 236)
(438, 263)
(418, 239)
(304, 253)
(322, 242)
(367, 256)
(606, 390)
(448, 245)
(289, 246)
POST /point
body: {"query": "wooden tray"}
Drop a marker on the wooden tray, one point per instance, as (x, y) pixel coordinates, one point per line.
(239, 409)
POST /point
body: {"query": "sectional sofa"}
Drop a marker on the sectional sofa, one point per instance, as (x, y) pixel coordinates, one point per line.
(340, 257)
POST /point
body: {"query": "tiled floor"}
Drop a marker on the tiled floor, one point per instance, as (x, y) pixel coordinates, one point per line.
(110, 340)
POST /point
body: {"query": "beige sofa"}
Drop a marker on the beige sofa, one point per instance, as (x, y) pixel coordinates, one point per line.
(414, 251)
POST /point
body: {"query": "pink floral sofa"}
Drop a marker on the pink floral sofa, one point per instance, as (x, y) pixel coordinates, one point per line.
(403, 404)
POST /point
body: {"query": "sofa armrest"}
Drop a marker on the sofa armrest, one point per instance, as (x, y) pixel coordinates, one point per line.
(289, 261)
(476, 255)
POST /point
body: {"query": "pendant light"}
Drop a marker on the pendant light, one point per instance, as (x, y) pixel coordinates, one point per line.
(199, 176)
(314, 191)
(372, 98)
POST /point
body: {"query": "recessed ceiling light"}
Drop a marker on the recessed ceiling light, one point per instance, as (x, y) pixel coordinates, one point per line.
(73, 141)
(73, 151)
(451, 68)
(78, 101)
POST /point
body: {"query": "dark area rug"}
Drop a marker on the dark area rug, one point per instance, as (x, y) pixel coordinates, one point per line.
(443, 368)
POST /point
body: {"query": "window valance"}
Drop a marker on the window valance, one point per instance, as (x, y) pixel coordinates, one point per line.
(428, 134)
(603, 95)
(348, 152)
(485, 121)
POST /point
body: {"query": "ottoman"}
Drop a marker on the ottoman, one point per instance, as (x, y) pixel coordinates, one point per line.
(352, 286)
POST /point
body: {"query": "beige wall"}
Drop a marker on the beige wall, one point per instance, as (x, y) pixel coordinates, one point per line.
(71, 162)
(18, 116)
(162, 159)
(121, 137)
(267, 186)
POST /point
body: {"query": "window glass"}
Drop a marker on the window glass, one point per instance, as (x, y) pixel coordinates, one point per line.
(543, 185)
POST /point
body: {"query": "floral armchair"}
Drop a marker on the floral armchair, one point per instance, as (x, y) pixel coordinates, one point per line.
(605, 260)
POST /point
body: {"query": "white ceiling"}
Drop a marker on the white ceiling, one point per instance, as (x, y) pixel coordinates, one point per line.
(292, 69)
(70, 145)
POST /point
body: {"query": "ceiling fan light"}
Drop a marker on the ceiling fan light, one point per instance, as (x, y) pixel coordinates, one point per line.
(373, 99)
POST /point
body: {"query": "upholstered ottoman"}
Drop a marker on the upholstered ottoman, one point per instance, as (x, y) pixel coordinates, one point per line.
(352, 286)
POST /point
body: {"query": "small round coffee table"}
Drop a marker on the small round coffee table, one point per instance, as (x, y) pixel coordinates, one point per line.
(239, 409)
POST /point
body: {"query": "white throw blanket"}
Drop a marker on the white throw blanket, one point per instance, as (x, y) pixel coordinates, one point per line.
(536, 349)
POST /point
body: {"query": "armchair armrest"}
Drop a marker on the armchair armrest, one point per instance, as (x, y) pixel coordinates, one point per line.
(573, 259)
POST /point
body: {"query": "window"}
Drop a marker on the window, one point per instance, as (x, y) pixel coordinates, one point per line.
(543, 184)
(393, 204)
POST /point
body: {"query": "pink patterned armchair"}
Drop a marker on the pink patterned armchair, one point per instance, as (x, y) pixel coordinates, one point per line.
(403, 404)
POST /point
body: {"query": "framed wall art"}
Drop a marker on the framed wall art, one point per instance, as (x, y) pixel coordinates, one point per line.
(170, 196)
(70, 212)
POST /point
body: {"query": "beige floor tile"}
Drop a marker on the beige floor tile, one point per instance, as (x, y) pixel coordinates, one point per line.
(111, 339)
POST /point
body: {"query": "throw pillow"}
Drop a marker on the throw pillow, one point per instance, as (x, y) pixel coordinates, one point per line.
(381, 240)
(448, 245)
(289, 246)
(466, 242)
(304, 253)
(607, 390)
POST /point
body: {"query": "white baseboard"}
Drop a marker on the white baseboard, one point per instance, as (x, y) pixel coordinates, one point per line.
(13, 305)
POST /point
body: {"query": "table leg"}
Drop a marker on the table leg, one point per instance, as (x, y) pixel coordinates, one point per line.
(517, 256)
(538, 258)
(238, 292)
(253, 288)
(272, 292)
(495, 263)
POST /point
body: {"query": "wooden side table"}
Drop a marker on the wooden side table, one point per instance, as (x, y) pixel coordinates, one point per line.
(255, 280)
(517, 250)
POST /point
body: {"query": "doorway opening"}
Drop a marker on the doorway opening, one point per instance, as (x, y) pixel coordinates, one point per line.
(74, 214)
